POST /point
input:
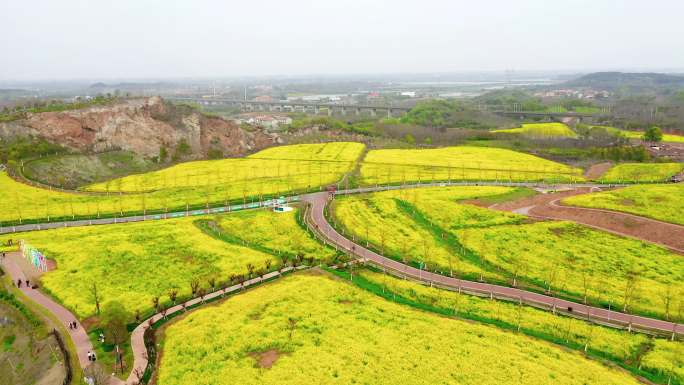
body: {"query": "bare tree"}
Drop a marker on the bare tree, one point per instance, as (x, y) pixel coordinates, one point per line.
(667, 300)
(96, 297)
(194, 285)
(631, 283)
(173, 293)
(250, 270)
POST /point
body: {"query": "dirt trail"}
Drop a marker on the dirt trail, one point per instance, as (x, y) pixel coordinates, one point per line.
(548, 206)
(597, 170)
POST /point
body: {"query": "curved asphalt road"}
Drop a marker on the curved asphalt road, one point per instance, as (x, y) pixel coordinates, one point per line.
(318, 202)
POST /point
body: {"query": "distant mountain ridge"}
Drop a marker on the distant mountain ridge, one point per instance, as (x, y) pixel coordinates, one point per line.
(636, 81)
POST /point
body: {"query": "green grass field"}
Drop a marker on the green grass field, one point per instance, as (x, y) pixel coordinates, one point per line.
(192, 184)
(460, 163)
(310, 328)
(429, 227)
(131, 263)
(541, 130)
(663, 202)
(641, 172)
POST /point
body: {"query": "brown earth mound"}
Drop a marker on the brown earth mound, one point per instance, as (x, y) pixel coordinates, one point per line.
(266, 359)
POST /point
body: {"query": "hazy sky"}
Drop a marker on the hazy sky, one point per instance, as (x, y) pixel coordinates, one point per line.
(68, 39)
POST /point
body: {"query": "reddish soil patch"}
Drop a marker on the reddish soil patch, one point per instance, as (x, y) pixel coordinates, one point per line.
(266, 359)
(475, 202)
(548, 206)
(597, 170)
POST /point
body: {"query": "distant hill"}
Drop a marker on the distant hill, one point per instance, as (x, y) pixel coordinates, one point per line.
(628, 81)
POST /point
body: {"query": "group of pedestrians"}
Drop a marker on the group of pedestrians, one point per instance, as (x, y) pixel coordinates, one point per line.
(19, 283)
(73, 325)
(91, 356)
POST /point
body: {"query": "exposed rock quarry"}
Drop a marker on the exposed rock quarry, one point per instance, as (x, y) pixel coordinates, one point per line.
(142, 126)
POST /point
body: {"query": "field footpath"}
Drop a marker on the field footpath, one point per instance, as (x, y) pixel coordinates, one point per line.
(78, 335)
(140, 361)
(548, 206)
(317, 203)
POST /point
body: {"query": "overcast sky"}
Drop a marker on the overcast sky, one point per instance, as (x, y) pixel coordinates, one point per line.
(69, 39)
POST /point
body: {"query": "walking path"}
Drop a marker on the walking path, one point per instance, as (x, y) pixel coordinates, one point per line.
(322, 227)
(78, 335)
(140, 360)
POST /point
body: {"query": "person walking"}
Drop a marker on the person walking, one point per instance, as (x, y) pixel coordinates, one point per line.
(90, 356)
(19, 283)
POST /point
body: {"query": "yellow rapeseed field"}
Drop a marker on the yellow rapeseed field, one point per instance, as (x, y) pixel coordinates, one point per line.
(461, 163)
(185, 185)
(429, 226)
(664, 202)
(641, 172)
(542, 130)
(377, 218)
(131, 263)
(314, 329)
(299, 165)
(277, 231)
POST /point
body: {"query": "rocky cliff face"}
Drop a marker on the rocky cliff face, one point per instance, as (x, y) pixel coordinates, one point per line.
(142, 126)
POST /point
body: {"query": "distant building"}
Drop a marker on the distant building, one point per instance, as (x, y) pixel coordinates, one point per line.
(264, 98)
(410, 94)
(268, 121)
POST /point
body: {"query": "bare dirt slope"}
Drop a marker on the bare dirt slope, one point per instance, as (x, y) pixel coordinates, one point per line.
(141, 126)
(548, 206)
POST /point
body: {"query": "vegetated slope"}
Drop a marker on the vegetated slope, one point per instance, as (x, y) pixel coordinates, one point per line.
(641, 172)
(384, 220)
(542, 130)
(639, 135)
(461, 163)
(315, 329)
(75, 170)
(132, 263)
(142, 126)
(198, 184)
(276, 231)
(298, 165)
(29, 354)
(429, 228)
(660, 360)
(628, 82)
(663, 202)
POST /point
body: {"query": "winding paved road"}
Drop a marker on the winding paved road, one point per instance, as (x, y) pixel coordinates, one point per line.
(318, 202)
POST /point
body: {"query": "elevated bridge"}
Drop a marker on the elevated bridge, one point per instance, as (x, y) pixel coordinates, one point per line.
(375, 110)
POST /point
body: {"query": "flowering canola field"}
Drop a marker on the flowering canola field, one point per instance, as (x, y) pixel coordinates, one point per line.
(311, 328)
(131, 263)
(542, 130)
(663, 202)
(198, 184)
(461, 163)
(661, 358)
(430, 228)
(641, 172)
